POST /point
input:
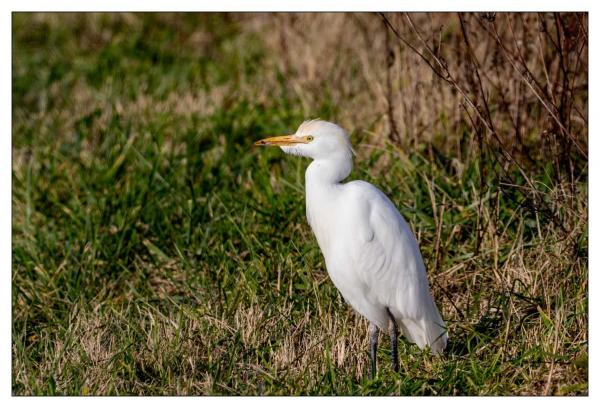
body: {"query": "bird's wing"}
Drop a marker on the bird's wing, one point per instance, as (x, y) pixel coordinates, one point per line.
(386, 258)
(385, 252)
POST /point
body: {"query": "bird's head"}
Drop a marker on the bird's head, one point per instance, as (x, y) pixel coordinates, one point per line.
(316, 139)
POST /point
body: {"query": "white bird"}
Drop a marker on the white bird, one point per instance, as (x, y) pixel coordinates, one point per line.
(370, 252)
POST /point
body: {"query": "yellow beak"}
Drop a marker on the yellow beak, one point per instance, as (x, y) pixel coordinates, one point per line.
(281, 141)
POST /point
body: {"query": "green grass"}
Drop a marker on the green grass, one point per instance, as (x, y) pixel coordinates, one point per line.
(156, 251)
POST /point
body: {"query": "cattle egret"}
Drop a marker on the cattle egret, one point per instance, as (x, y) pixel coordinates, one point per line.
(370, 252)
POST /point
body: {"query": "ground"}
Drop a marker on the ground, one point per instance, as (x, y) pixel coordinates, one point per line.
(157, 252)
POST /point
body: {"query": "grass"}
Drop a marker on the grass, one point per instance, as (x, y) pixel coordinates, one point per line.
(157, 252)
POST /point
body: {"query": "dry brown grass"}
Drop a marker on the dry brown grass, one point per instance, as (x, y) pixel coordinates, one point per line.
(345, 58)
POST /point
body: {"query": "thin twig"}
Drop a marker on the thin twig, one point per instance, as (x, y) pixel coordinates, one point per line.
(542, 101)
(475, 64)
(389, 57)
(409, 45)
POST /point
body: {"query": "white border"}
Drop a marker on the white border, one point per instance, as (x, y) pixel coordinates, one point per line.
(294, 5)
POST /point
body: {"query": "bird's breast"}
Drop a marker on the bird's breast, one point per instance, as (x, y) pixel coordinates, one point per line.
(322, 225)
(322, 217)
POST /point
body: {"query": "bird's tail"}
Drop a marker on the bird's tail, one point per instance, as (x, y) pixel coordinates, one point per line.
(426, 332)
(437, 335)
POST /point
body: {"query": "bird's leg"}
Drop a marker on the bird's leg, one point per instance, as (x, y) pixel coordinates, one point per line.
(394, 338)
(373, 336)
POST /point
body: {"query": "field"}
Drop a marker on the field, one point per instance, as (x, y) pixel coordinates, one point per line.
(156, 251)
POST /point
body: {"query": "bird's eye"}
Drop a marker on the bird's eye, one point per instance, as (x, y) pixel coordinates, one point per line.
(309, 138)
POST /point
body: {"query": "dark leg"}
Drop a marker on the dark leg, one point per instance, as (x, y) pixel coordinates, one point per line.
(394, 338)
(373, 336)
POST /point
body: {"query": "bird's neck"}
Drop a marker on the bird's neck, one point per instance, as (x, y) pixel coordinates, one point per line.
(323, 189)
(328, 172)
